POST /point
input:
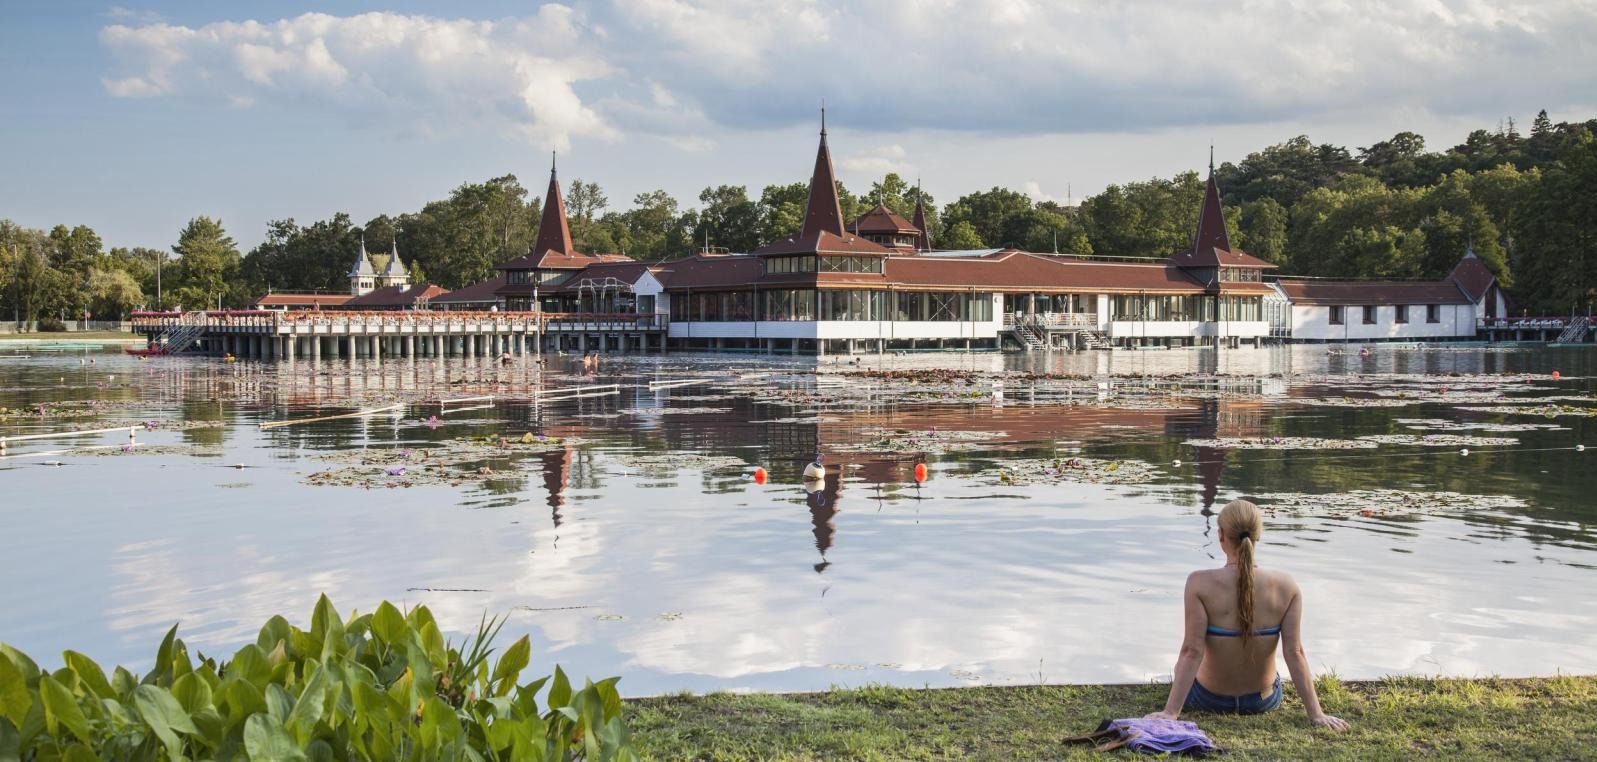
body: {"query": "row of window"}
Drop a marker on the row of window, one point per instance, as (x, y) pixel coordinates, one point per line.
(809, 263)
(1186, 308)
(541, 277)
(1433, 314)
(840, 304)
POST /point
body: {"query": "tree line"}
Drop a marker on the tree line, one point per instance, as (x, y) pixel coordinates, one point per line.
(1526, 204)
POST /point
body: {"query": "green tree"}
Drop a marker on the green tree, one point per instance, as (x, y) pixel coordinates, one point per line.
(207, 266)
(1155, 218)
(961, 235)
(728, 218)
(1263, 227)
(989, 213)
(112, 293)
(1555, 233)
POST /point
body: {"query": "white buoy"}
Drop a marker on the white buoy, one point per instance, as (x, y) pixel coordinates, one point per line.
(815, 471)
(1464, 451)
(1176, 462)
(1580, 448)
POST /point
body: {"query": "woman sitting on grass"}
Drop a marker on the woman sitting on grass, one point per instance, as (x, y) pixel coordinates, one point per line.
(1235, 618)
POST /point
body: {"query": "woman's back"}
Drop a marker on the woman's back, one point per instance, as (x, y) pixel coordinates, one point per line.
(1234, 664)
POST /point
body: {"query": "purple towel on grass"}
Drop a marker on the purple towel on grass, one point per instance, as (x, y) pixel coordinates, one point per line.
(1164, 736)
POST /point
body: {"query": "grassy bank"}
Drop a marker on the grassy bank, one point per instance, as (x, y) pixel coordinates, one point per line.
(1396, 719)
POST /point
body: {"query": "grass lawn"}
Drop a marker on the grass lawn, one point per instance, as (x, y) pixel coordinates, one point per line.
(69, 336)
(1394, 719)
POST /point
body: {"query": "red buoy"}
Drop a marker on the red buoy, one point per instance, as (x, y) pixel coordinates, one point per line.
(920, 472)
(760, 477)
(1555, 375)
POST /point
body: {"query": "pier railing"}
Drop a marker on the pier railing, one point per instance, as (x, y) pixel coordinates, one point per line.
(273, 321)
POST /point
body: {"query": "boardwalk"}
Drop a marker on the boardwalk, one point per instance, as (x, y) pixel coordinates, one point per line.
(267, 335)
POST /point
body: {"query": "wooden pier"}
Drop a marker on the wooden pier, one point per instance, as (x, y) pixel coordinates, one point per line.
(315, 335)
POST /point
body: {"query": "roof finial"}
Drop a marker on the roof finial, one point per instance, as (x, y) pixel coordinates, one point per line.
(823, 118)
(552, 157)
(1211, 157)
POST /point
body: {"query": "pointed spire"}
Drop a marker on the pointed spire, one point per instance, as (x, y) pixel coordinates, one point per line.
(554, 232)
(825, 210)
(1211, 222)
(923, 240)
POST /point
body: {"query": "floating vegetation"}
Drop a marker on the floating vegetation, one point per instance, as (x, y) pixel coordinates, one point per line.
(197, 451)
(1380, 502)
(671, 462)
(1440, 440)
(1545, 411)
(355, 476)
(453, 451)
(676, 410)
(1282, 443)
(1443, 424)
(930, 441)
(1032, 471)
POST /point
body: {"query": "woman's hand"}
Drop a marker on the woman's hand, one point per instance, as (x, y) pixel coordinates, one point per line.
(1167, 716)
(1328, 722)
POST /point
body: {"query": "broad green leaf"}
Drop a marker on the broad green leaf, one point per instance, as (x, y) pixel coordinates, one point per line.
(420, 617)
(319, 751)
(559, 690)
(511, 663)
(278, 702)
(266, 741)
(79, 753)
(14, 696)
(276, 630)
(252, 664)
(388, 624)
(242, 699)
(30, 671)
(61, 709)
(609, 696)
(308, 709)
(165, 717)
(89, 673)
(124, 682)
(192, 692)
(162, 671)
(10, 742)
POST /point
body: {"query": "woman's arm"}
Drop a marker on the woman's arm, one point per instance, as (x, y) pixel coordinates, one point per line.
(1297, 663)
(1193, 641)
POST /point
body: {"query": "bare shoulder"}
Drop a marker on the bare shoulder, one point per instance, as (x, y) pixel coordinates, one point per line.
(1205, 578)
(1278, 579)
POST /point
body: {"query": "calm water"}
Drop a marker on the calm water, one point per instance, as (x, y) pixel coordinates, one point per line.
(682, 573)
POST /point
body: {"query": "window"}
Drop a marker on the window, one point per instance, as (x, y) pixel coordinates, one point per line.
(1402, 314)
(1433, 313)
(1336, 314)
(1241, 274)
(1369, 314)
(830, 264)
(778, 265)
(790, 304)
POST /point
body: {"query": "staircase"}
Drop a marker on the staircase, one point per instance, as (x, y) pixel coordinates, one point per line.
(1029, 335)
(1095, 340)
(179, 338)
(1575, 332)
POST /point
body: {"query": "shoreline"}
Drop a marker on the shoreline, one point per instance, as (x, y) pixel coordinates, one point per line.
(1393, 718)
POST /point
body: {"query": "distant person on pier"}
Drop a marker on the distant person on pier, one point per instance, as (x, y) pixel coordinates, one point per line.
(1236, 616)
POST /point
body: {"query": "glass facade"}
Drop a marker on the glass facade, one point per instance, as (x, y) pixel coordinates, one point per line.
(1241, 274)
(831, 264)
(1186, 308)
(800, 264)
(831, 304)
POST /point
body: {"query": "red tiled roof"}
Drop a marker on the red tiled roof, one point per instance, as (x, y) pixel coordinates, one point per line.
(824, 212)
(1472, 276)
(481, 291)
(923, 242)
(1327, 292)
(397, 296)
(1212, 246)
(702, 272)
(302, 300)
(554, 232)
(550, 259)
(824, 243)
(594, 276)
(883, 221)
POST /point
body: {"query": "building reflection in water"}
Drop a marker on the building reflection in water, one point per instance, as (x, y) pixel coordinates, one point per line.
(822, 497)
(556, 475)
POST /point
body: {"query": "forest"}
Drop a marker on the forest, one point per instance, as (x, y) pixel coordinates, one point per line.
(1525, 201)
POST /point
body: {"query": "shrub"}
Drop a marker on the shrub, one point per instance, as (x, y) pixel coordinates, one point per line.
(381, 686)
(50, 325)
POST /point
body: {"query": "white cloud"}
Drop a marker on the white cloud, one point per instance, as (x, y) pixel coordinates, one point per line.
(689, 71)
(878, 161)
(1034, 189)
(518, 74)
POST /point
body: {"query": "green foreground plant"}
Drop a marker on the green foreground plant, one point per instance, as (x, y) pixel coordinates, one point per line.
(381, 686)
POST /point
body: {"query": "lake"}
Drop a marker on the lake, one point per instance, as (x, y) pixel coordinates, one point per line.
(1065, 500)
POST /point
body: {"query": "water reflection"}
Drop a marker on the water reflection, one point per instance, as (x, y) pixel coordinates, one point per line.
(945, 582)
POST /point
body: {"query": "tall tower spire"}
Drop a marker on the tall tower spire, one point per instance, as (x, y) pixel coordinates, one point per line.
(1211, 220)
(825, 210)
(554, 232)
(923, 240)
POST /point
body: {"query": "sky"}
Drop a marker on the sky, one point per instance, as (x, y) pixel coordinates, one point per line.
(134, 118)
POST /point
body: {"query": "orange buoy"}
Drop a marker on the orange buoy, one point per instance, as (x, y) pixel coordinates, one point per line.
(760, 476)
(920, 472)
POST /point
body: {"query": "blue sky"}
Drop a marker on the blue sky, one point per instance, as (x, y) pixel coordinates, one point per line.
(134, 118)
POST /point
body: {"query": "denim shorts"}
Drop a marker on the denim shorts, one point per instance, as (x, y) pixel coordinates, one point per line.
(1202, 699)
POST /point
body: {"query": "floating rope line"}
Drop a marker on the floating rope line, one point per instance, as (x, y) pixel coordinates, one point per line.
(1418, 452)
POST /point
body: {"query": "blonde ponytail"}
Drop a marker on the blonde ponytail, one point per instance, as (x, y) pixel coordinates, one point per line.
(1241, 524)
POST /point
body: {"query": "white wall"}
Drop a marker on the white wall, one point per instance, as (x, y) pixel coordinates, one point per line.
(1159, 329)
(836, 329)
(1313, 323)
